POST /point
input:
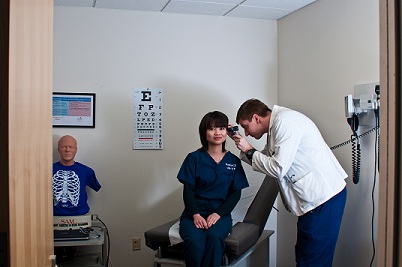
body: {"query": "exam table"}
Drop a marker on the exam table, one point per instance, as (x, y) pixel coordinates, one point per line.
(243, 237)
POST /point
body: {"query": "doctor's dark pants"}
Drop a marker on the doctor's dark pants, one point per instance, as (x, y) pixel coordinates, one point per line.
(204, 248)
(317, 233)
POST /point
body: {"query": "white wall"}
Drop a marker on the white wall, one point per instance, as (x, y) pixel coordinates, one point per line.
(202, 63)
(324, 50)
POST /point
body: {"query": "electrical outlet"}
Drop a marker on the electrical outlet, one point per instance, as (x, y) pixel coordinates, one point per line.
(136, 243)
(94, 217)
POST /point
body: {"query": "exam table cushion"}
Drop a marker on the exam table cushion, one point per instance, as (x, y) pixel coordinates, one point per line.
(241, 238)
(159, 236)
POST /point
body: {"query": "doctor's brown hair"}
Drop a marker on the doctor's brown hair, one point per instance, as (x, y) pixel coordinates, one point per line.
(251, 107)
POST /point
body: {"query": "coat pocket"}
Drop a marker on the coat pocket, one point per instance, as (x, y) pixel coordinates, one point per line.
(307, 188)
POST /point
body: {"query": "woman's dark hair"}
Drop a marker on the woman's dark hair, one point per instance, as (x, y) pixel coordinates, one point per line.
(212, 119)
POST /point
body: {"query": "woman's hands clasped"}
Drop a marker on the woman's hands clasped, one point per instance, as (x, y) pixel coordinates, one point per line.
(201, 223)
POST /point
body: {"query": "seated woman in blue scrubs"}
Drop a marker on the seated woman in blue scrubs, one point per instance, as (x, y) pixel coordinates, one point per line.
(213, 179)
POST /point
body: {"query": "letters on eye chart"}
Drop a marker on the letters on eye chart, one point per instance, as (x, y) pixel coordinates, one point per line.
(148, 118)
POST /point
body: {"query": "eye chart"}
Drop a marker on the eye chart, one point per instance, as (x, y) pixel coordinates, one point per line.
(148, 111)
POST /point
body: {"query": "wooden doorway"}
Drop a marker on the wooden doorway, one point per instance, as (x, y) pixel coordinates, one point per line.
(389, 225)
(26, 131)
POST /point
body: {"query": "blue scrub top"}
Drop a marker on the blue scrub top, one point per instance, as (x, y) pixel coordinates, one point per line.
(213, 182)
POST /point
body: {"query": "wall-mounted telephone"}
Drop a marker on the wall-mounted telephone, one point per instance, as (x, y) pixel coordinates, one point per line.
(357, 112)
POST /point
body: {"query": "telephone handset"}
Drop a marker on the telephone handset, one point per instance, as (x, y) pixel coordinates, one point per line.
(356, 151)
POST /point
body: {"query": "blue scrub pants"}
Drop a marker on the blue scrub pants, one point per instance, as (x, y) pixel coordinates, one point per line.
(204, 248)
(317, 233)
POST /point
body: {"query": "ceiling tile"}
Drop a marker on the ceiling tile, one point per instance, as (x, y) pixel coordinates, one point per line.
(258, 13)
(232, 2)
(257, 9)
(79, 3)
(285, 4)
(198, 7)
(144, 5)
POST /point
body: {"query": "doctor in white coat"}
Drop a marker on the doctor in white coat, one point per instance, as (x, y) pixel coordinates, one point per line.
(311, 181)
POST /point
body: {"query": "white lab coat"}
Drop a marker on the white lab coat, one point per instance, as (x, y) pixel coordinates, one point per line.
(307, 172)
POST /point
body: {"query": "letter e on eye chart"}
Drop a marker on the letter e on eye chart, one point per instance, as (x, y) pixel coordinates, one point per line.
(148, 114)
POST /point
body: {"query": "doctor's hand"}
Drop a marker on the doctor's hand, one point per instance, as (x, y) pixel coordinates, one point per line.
(242, 143)
(199, 221)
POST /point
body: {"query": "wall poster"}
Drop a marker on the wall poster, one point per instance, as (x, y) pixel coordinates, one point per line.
(73, 110)
(148, 118)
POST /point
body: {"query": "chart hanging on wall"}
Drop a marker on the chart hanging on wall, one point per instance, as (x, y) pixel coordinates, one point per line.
(148, 118)
(73, 109)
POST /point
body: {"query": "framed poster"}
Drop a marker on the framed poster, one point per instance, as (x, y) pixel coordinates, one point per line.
(73, 110)
(148, 115)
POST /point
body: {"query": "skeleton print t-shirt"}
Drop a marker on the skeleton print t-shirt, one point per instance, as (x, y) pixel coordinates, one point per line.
(69, 188)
